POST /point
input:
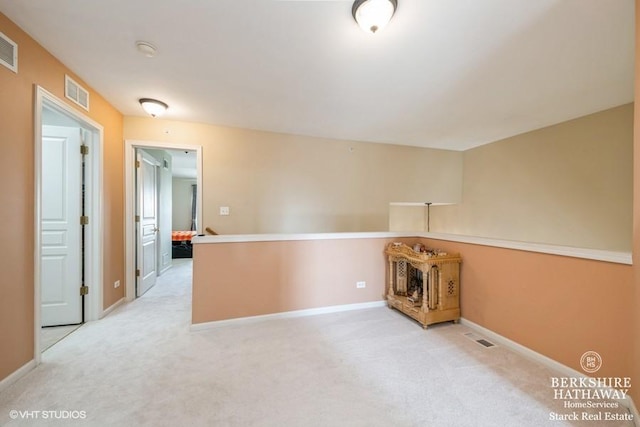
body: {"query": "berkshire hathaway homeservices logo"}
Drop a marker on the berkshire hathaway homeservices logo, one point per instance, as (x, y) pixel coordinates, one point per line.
(591, 362)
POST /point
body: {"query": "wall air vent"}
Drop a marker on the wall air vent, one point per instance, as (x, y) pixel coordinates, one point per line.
(8, 53)
(76, 93)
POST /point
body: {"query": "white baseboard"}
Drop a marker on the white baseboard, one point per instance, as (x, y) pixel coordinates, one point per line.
(112, 307)
(15, 376)
(164, 270)
(287, 314)
(544, 360)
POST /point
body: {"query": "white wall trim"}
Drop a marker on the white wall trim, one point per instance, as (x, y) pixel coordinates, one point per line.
(540, 358)
(593, 254)
(130, 203)
(286, 315)
(165, 269)
(113, 306)
(16, 375)
(584, 253)
(243, 238)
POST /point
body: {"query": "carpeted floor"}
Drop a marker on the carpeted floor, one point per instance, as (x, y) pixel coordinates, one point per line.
(51, 335)
(142, 366)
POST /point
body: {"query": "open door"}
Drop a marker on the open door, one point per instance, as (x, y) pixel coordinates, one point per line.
(147, 222)
(61, 252)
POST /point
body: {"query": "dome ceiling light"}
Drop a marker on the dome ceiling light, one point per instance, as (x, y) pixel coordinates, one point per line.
(373, 15)
(154, 107)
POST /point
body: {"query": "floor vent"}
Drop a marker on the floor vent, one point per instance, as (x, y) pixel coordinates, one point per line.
(76, 93)
(480, 340)
(8, 53)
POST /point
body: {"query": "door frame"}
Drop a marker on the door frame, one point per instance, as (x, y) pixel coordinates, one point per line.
(93, 191)
(130, 201)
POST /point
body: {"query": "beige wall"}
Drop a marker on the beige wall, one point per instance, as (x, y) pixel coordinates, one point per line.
(568, 184)
(37, 66)
(182, 194)
(287, 183)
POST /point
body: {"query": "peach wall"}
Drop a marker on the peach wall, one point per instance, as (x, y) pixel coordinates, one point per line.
(558, 306)
(635, 391)
(555, 305)
(37, 67)
(232, 280)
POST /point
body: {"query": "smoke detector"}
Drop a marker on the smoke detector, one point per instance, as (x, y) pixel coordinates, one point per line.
(146, 48)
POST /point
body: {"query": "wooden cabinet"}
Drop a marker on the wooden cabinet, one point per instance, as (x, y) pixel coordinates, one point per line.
(424, 285)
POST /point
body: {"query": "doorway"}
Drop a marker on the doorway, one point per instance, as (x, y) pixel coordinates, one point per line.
(132, 199)
(68, 267)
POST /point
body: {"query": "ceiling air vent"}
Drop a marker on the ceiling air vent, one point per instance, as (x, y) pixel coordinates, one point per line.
(8, 53)
(76, 93)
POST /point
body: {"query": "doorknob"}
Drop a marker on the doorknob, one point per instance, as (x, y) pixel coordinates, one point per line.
(155, 229)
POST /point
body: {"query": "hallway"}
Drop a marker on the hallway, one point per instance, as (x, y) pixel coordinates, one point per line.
(115, 367)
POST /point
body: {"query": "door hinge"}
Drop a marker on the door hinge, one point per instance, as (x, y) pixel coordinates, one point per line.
(84, 150)
(137, 218)
(84, 290)
(137, 272)
(84, 220)
(137, 163)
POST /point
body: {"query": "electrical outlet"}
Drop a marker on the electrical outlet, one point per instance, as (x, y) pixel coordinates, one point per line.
(224, 210)
(361, 285)
(116, 284)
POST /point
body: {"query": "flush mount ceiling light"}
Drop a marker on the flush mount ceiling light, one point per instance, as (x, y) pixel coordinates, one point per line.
(373, 15)
(152, 106)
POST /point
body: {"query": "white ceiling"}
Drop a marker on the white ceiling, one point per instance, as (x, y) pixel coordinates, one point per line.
(448, 74)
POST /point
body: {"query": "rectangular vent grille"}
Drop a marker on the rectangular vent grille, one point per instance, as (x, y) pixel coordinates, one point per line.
(76, 93)
(8, 53)
(480, 340)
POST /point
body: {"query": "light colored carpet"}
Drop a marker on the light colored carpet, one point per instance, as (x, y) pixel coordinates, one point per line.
(142, 366)
(51, 335)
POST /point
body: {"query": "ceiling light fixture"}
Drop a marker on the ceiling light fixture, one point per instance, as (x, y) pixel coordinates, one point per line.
(373, 15)
(152, 106)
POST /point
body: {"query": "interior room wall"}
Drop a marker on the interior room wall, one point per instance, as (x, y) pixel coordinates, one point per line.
(165, 208)
(279, 183)
(37, 66)
(182, 196)
(635, 336)
(285, 276)
(568, 184)
(558, 306)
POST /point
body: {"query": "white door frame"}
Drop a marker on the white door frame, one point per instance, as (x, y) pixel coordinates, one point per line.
(130, 201)
(94, 231)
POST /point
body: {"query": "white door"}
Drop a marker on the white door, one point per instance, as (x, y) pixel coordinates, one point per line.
(147, 232)
(61, 303)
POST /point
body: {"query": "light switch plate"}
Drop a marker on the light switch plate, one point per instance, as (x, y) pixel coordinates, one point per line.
(224, 210)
